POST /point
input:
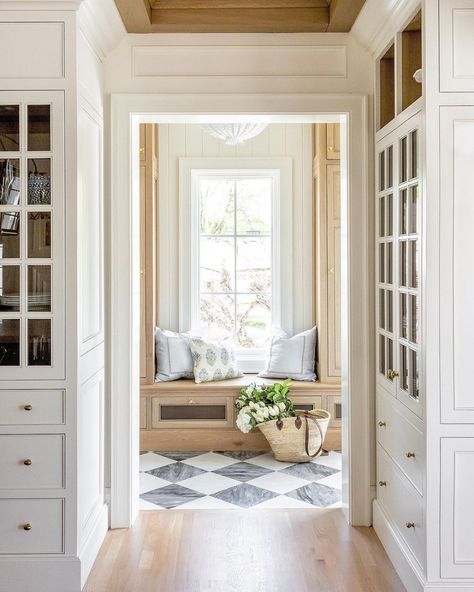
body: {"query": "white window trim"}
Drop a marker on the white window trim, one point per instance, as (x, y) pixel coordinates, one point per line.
(190, 170)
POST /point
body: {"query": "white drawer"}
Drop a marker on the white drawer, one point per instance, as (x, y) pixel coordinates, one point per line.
(401, 439)
(402, 503)
(31, 407)
(32, 461)
(44, 516)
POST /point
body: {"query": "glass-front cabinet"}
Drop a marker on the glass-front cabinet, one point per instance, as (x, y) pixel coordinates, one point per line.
(398, 269)
(32, 274)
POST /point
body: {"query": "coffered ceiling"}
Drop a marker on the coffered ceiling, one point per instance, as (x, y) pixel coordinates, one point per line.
(238, 16)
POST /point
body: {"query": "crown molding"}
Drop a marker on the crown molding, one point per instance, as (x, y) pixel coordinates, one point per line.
(101, 24)
(380, 20)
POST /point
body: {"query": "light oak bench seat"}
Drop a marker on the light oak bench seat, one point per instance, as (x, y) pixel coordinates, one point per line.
(182, 415)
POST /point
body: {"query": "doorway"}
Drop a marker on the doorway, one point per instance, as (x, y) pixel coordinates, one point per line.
(128, 113)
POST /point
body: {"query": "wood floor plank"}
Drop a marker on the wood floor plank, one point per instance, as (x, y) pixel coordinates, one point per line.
(243, 551)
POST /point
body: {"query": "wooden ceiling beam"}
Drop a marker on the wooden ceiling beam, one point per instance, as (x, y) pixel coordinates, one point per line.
(233, 20)
(241, 4)
(342, 14)
(136, 15)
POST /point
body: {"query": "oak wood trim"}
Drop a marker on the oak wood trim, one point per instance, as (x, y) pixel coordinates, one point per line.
(342, 14)
(136, 15)
(243, 4)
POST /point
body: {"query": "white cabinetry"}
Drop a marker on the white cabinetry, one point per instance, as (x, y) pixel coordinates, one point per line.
(456, 25)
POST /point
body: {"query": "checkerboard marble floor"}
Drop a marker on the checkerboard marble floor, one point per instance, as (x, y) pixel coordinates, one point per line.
(237, 480)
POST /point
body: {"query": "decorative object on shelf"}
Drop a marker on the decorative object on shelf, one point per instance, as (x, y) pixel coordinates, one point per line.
(39, 187)
(294, 436)
(9, 184)
(234, 134)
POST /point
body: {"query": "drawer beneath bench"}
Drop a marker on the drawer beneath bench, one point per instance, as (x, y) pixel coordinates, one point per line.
(192, 412)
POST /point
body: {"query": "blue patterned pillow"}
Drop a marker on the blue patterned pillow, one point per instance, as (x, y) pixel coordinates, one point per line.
(213, 361)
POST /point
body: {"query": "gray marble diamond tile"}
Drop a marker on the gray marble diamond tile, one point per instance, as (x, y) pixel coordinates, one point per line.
(241, 454)
(316, 494)
(309, 471)
(245, 495)
(180, 455)
(176, 472)
(242, 471)
(171, 496)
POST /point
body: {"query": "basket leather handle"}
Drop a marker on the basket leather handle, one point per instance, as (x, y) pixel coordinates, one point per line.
(307, 416)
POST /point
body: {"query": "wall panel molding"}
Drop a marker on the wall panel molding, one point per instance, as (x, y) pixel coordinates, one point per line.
(456, 39)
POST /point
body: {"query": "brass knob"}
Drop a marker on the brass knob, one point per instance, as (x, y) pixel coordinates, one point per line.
(28, 407)
(410, 525)
(28, 462)
(27, 526)
(382, 483)
(191, 401)
(330, 148)
(410, 454)
(142, 150)
(391, 374)
(382, 424)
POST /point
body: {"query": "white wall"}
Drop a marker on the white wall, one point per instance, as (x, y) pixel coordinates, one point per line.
(188, 140)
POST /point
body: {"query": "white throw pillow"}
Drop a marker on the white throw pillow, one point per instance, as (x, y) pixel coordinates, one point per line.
(173, 356)
(213, 361)
(292, 357)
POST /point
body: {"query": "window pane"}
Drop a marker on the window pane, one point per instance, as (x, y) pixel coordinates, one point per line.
(39, 181)
(39, 127)
(10, 288)
(9, 342)
(413, 209)
(254, 320)
(217, 206)
(39, 288)
(254, 258)
(9, 128)
(403, 212)
(10, 182)
(217, 313)
(39, 342)
(217, 264)
(254, 206)
(9, 235)
(382, 216)
(39, 235)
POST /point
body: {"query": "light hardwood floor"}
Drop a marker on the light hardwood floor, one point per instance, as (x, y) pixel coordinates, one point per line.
(243, 551)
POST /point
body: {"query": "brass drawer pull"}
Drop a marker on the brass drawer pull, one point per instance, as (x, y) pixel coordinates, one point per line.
(28, 407)
(192, 402)
(391, 374)
(28, 462)
(382, 424)
(410, 525)
(27, 526)
(330, 148)
(410, 454)
(382, 483)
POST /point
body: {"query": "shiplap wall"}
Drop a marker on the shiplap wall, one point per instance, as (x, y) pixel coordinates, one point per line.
(188, 140)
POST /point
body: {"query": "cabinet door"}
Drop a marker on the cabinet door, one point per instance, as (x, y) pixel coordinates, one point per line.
(32, 245)
(456, 23)
(333, 142)
(457, 510)
(333, 180)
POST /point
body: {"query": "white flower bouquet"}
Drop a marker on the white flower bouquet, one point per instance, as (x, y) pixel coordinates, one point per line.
(259, 403)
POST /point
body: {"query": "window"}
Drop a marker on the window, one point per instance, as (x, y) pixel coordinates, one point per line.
(234, 267)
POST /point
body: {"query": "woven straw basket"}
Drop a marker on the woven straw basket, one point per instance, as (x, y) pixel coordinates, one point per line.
(297, 439)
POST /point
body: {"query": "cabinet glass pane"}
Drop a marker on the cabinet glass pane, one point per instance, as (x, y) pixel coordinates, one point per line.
(39, 128)
(414, 319)
(39, 288)
(389, 215)
(382, 263)
(389, 266)
(39, 342)
(382, 309)
(403, 160)
(39, 181)
(413, 250)
(413, 155)
(413, 374)
(10, 288)
(10, 186)
(413, 209)
(39, 235)
(403, 263)
(389, 167)
(382, 366)
(404, 368)
(403, 316)
(403, 212)
(9, 342)
(381, 171)
(382, 216)
(390, 311)
(389, 355)
(9, 235)
(9, 128)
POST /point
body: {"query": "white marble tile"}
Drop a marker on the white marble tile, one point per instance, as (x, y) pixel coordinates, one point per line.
(278, 482)
(150, 460)
(282, 501)
(267, 461)
(145, 506)
(149, 482)
(210, 461)
(332, 481)
(333, 460)
(208, 483)
(207, 503)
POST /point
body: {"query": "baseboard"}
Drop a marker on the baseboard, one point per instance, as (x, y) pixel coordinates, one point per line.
(94, 541)
(404, 564)
(446, 587)
(40, 574)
